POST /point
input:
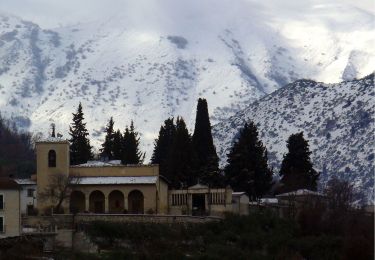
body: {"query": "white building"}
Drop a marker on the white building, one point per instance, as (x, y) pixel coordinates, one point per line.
(28, 202)
(10, 218)
(240, 202)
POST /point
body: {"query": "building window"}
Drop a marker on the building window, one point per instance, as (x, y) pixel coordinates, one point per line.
(52, 158)
(1, 201)
(30, 193)
(2, 226)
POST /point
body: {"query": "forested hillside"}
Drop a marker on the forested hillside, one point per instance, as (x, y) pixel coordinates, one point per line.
(17, 157)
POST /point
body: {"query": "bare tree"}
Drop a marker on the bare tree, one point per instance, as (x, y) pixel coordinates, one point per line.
(340, 194)
(58, 190)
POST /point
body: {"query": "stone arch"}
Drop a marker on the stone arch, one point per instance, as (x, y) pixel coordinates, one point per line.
(52, 158)
(97, 202)
(136, 202)
(77, 202)
(116, 202)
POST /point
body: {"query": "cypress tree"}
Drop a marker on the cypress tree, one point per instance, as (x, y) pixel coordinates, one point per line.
(163, 145)
(107, 146)
(117, 145)
(247, 168)
(207, 160)
(80, 148)
(296, 170)
(180, 162)
(130, 147)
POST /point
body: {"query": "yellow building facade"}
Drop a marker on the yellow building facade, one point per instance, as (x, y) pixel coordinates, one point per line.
(99, 187)
(112, 188)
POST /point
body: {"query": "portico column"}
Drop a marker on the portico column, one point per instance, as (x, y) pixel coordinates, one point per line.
(106, 204)
(126, 204)
(87, 203)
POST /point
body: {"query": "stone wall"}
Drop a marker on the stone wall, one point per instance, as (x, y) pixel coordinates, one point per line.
(68, 221)
(144, 218)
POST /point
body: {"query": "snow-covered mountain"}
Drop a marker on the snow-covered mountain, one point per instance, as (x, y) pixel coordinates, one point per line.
(151, 60)
(337, 119)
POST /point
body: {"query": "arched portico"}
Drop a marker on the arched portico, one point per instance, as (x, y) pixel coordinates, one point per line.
(97, 202)
(116, 202)
(136, 202)
(77, 202)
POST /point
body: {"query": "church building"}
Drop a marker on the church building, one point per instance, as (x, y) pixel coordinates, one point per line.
(113, 188)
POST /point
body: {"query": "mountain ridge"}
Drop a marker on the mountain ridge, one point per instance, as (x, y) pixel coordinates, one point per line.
(337, 119)
(129, 67)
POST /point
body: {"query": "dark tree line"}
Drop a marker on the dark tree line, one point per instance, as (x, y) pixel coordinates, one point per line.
(247, 168)
(116, 146)
(17, 155)
(124, 147)
(186, 159)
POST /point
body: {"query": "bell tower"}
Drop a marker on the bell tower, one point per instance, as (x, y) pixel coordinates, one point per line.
(52, 157)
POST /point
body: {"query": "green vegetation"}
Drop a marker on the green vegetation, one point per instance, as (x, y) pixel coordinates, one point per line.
(261, 235)
(17, 155)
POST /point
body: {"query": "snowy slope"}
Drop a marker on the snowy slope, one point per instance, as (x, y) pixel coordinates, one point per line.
(150, 60)
(337, 119)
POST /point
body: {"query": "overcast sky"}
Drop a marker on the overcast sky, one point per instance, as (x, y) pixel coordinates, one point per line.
(56, 13)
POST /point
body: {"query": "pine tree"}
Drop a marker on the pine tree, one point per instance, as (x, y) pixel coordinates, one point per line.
(207, 159)
(163, 145)
(181, 158)
(107, 146)
(247, 168)
(117, 145)
(80, 148)
(296, 168)
(130, 147)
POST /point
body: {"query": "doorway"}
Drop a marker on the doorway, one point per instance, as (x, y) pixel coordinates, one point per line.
(135, 200)
(199, 204)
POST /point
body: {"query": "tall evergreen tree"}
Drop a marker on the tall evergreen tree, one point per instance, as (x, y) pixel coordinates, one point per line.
(296, 168)
(247, 168)
(80, 148)
(163, 145)
(107, 146)
(181, 158)
(117, 145)
(207, 159)
(130, 147)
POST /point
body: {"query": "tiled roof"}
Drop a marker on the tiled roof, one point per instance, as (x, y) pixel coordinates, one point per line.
(239, 193)
(25, 181)
(53, 140)
(301, 192)
(117, 180)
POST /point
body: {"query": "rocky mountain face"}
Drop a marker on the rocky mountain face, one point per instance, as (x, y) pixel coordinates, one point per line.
(146, 62)
(337, 120)
(151, 62)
